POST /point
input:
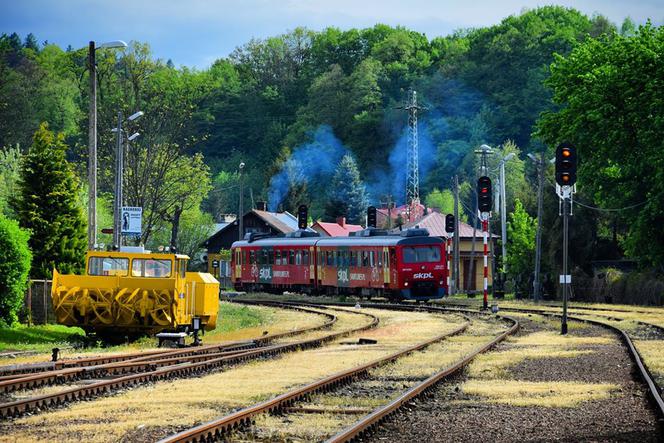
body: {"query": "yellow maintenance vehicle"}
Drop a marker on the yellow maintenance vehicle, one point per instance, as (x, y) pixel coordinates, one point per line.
(135, 291)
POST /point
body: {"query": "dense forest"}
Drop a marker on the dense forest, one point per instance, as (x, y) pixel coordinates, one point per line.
(306, 109)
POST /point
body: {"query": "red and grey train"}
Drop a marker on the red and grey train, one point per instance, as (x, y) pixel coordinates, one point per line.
(409, 265)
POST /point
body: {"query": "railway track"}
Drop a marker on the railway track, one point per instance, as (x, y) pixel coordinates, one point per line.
(284, 403)
(182, 366)
(102, 366)
(655, 392)
(14, 371)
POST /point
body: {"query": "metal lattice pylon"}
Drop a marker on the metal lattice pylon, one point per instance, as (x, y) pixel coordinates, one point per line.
(412, 155)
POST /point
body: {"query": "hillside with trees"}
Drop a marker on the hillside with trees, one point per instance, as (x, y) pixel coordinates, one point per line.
(307, 109)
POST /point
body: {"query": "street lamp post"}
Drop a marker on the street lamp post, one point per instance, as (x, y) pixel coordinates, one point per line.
(119, 173)
(503, 210)
(92, 139)
(241, 208)
(539, 163)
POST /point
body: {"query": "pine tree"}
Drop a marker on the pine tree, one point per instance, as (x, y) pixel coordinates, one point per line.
(47, 205)
(348, 196)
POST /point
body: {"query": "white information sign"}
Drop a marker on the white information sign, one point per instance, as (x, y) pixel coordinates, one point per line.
(131, 218)
(565, 278)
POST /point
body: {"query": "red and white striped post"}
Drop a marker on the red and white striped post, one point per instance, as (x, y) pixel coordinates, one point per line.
(485, 229)
(449, 247)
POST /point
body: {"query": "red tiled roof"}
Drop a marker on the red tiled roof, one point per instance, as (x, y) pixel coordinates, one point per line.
(435, 224)
(336, 230)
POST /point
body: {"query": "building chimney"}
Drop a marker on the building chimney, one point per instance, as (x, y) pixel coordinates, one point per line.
(261, 206)
(341, 221)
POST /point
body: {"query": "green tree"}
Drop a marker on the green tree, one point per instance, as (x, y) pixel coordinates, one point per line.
(47, 205)
(10, 172)
(609, 96)
(348, 195)
(15, 260)
(441, 200)
(521, 229)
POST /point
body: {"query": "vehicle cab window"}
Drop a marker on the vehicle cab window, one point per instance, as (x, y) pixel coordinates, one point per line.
(148, 267)
(108, 266)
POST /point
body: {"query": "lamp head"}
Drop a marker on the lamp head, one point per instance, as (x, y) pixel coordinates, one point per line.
(135, 115)
(133, 136)
(113, 44)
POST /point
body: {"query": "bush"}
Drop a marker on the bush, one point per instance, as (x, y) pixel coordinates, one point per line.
(15, 260)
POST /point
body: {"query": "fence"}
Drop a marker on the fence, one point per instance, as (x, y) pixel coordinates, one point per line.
(38, 308)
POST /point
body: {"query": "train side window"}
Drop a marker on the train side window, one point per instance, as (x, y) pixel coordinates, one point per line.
(380, 260)
(372, 258)
(252, 257)
(291, 260)
(365, 259)
(270, 257)
(298, 258)
(305, 258)
(182, 266)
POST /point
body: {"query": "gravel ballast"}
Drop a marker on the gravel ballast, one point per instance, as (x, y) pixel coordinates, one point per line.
(450, 415)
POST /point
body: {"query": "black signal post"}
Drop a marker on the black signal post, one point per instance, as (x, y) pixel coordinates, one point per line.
(566, 164)
(302, 216)
(484, 194)
(371, 217)
(449, 228)
(565, 178)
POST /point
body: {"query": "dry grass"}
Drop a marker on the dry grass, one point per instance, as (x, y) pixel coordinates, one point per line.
(543, 394)
(181, 402)
(307, 427)
(652, 352)
(543, 344)
(550, 338)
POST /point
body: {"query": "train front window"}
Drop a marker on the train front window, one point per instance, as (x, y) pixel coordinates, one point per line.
(148, 267)
(421, 254)
(108, 266)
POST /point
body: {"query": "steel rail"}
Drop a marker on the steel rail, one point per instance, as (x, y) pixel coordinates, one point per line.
(19, 407)
(218, 428)
(73, 369)
(371, 420)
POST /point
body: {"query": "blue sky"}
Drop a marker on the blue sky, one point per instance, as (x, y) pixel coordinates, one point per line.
(197, 32)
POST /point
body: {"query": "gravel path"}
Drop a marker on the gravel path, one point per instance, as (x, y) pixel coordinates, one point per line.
(450, 415)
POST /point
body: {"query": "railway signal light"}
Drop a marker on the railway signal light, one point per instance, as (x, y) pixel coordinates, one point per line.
(484, 194)
(566, 164)
(371, 217)
(449, 223)
(302, 216)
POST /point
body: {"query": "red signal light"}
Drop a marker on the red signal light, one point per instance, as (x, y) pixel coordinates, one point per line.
(566, 153)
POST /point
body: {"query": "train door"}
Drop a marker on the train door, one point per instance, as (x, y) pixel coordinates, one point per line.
(238, 264)
(386, 266)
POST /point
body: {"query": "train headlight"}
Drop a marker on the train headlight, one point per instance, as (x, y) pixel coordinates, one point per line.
(440, 283)
(405, 284)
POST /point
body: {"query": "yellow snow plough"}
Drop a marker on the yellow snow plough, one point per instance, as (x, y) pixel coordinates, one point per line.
(136, 292)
